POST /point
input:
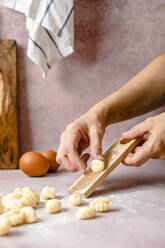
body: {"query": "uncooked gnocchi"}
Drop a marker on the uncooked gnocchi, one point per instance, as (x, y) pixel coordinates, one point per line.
(10, 202)
(18, 193)
(1, 195)
(97, 165)
(86, 213)
(15, 217)
(1, 208)
(4, 225)
(75, 200)
(30, 197)
(101, 204)
(48, 193)
(30, 215)
(53, 206)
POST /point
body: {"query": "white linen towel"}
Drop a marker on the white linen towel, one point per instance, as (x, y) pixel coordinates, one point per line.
(51, 29)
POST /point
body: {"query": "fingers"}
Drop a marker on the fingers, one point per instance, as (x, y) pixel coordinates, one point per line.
(138, 130)
(96, 145)
(77, 162)
(68, 165)
(85, 157)
(140, 156)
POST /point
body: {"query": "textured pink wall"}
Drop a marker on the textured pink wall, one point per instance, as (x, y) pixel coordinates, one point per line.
(114, 40)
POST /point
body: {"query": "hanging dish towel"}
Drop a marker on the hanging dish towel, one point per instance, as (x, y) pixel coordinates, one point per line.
(51, 29)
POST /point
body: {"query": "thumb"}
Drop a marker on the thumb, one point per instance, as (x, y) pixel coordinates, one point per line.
(137, 131)
(96, 145)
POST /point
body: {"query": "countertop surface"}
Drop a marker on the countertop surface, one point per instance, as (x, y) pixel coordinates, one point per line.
(137, 218)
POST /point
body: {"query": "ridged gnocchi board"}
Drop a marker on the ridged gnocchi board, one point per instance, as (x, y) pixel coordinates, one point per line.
(88, 182)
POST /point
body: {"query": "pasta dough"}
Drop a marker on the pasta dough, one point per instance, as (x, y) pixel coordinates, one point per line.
(15, 217)
(1, 208)
(18, 193)
(75, 200)
(30, 215)
(30, 197)
(1, 195)
(86, 213)
(48, 193)
(101, 204)
(10, 202)
(97, 165)
(4, 225)
(53, 206)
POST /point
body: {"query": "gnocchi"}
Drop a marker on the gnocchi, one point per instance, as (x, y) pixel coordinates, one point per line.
(53, 206)
(75, 200)
(48, 193)
(101, 204)
(1, 208)
(97, 165)
(10, 202)
(86, 213)
(30, 197)
(1, 195)
(4, 225)
(30, 215)
(15, 217)
(18, 193)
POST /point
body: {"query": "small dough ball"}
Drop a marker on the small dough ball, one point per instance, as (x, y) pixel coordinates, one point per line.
(1, 208)
(1, 195)
(7, 198)
(53, 206)
(86, 213)
(10, 202)
(4, 225)
(97, 165)
(101, 204)
(48, 193)
(75, 200)
(15, 217)
(18, 193)
(34, 164)
(30, 197)
(30, 215)
(51, 157)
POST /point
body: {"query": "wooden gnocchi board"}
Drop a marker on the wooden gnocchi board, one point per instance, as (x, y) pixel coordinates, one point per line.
(8, 105)
(88, 182)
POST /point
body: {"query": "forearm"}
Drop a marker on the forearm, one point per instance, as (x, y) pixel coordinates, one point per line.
(143, 93)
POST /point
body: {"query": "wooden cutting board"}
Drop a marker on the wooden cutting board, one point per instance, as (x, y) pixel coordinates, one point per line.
(8, 105)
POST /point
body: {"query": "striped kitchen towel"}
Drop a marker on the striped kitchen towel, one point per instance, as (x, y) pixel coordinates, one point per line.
(51, 29)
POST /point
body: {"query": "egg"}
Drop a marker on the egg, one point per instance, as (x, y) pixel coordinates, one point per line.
(33, 164)
(51, 157)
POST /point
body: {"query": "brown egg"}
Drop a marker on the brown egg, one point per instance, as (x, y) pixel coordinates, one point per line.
(33, 164)
(51, 157)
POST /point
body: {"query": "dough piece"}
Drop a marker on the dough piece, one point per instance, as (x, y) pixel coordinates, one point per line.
(53, 206)
(75, 200)
(30, 197)
(1, 208)
(97, 165)
(101, 204)
(86, 213)
(18, 193)
(4, 225)
(10, 202)
(48, 193)
(1, 195)
(30, 215)
(15, 217)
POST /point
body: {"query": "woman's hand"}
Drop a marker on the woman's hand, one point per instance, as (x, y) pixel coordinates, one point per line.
(153, 147)
(86, 131)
